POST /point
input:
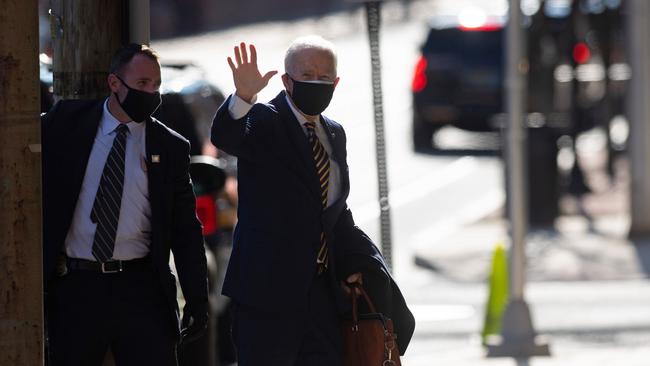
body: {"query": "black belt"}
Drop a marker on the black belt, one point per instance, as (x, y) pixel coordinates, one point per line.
(107, 267)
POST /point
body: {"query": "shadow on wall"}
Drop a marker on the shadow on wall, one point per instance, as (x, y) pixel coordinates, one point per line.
(182, 17)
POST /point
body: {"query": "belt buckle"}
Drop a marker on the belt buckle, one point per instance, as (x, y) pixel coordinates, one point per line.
(105, 270)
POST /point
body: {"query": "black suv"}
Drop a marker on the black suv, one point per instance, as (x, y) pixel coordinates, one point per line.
(576, 69)
(457, 80)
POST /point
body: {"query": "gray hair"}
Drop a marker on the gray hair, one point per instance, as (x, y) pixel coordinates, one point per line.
(308, 42)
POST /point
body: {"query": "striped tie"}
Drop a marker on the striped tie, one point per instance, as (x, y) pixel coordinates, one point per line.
(106, 209)
(322, 162)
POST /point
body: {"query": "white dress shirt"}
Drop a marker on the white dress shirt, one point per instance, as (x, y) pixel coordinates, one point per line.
(134, 225)
(238, 108)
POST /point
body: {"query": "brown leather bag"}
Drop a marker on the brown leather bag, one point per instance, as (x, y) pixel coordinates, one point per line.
(368, 339)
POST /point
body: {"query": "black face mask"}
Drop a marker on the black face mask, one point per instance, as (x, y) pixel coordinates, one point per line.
(311, 97)
(138, 104)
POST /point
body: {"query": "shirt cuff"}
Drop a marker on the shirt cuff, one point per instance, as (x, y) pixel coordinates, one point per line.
(238, 108)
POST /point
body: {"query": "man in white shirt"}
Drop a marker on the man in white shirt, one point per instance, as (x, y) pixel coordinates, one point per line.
(117, 198)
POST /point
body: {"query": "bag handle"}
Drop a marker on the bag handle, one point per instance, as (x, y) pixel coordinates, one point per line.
(389, 336)
(355, 308)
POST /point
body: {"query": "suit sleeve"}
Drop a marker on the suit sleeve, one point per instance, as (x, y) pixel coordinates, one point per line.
(48, 117)
(243, 137)
(353, 242)
(47, 121)
(360, 254)
(49, 250)
(47, 124)
(187, 238)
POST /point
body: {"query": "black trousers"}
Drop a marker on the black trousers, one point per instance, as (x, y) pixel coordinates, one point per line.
(88, 312)
(307, 337)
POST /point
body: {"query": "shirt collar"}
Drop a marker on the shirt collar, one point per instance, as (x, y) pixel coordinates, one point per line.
(299, 116)
(109, 123)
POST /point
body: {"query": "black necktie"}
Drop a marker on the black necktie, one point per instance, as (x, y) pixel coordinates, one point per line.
(322, 162)
(106, 209)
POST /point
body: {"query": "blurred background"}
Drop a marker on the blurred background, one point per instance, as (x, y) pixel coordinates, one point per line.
(443, 78)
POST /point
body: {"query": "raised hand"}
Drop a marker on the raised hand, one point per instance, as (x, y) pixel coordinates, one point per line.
(247, 77)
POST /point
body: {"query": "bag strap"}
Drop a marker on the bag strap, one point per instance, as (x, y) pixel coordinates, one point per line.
(355, 308)
(389, 336)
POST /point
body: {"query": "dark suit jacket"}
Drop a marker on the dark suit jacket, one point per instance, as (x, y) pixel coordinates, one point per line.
(68, 133)
(277, 238)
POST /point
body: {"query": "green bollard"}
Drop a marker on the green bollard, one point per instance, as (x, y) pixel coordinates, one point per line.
(498, 296)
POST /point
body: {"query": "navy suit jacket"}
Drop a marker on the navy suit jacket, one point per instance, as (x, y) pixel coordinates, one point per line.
(277, 237)
(68, 133)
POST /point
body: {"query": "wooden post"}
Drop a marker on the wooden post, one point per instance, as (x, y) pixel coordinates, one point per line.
(21, 287)
(85, 34)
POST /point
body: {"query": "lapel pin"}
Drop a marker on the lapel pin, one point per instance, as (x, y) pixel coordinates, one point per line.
(155, 158)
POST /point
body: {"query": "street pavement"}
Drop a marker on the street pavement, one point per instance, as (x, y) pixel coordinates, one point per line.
(587, 284)
(588, 293)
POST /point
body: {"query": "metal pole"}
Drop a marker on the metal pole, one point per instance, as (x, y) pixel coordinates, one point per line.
(516, 67)
(373, 15)
(518, 337)
(21, 273)
(639, 111)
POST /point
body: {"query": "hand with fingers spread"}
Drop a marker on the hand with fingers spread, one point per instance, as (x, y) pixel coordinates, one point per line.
(247, 77)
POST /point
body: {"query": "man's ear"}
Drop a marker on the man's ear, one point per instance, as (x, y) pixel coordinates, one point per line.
(113, 83)
(336, 81)
(286, 81)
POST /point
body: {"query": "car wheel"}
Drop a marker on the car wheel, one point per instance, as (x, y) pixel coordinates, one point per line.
(422, 134)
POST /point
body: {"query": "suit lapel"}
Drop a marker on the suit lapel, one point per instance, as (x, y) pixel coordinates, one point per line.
(338, 153)
(304, 163)
(83, 140)
(331, 214)
(156, 162)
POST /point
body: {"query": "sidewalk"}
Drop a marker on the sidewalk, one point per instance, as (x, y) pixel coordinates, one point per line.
(572, 252)
(588, 288)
